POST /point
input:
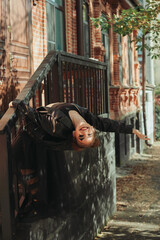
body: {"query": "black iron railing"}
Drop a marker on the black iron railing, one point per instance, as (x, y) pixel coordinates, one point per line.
(60, 77)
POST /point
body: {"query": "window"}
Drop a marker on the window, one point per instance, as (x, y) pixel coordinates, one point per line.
(86, 33)
(55, 25)
(119, 40)
(141, 1)
(130, 60)
(132, 136)
(106, 44)
(105, 41)
(140, 56)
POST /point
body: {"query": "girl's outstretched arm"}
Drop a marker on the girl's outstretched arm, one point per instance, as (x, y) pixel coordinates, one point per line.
(140, 135)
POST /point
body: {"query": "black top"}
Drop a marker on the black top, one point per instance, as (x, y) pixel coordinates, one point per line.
(53, 124)
(56, 122)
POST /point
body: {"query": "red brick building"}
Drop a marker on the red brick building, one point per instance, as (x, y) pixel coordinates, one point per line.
(30, 29)
(25, 40)
(79, 32)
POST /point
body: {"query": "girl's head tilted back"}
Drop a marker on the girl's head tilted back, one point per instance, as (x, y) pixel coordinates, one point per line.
(84, 136)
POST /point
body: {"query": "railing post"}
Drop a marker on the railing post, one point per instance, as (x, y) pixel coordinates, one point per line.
(60, 79)
(106, 92)
(5, 190)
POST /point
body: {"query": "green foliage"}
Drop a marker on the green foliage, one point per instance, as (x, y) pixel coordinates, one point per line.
(157, 91)
(157, 122)
(139, 19)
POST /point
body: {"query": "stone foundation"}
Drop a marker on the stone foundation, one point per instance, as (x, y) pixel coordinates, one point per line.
(82, 186)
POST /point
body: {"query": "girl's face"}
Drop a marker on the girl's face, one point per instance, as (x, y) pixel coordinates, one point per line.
(84, 134)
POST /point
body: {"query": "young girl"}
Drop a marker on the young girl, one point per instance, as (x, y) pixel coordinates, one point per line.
(61, 120)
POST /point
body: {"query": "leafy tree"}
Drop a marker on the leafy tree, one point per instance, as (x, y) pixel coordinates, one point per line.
(157, 90)
(137, 19)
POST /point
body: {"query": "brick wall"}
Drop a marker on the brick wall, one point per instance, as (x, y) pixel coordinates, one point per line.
(39, 33)
(96, 8)
(71, 27)
(39, 48)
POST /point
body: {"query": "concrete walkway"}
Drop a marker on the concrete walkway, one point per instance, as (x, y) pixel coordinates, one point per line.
(138, 199)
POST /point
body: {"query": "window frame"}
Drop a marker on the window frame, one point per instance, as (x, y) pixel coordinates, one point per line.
(62, 9)
(86, 23)
(119, 42)
(130, 61)
(107, 60)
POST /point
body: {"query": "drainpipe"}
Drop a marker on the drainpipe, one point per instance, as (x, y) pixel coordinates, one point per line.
(79, 8)
(144, 90)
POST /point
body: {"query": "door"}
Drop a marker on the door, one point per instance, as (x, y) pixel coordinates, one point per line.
(15, 45)
(20, 41)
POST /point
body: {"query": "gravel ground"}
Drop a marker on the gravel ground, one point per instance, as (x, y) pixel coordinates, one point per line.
(138, 199)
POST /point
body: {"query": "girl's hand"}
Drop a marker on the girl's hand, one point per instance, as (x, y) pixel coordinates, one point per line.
(10, 105)
(140, 135)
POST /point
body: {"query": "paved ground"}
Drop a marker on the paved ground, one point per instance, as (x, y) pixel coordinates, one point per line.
(138, 200)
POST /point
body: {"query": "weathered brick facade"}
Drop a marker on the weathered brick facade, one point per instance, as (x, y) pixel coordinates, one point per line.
(39, 48)
(90, 174)
(25, 57)
(121, 100)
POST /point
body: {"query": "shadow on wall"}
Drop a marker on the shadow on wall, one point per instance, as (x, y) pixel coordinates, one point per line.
(77, 186)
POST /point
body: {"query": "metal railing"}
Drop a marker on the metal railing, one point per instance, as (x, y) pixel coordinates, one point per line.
(60, 77)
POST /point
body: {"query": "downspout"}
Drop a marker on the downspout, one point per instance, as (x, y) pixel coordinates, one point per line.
(144, 90)
(80, 46)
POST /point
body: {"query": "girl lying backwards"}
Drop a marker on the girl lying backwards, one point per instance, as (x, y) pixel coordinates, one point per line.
(61, 120)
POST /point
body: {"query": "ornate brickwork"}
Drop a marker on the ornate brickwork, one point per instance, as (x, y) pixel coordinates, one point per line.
(123, 101)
